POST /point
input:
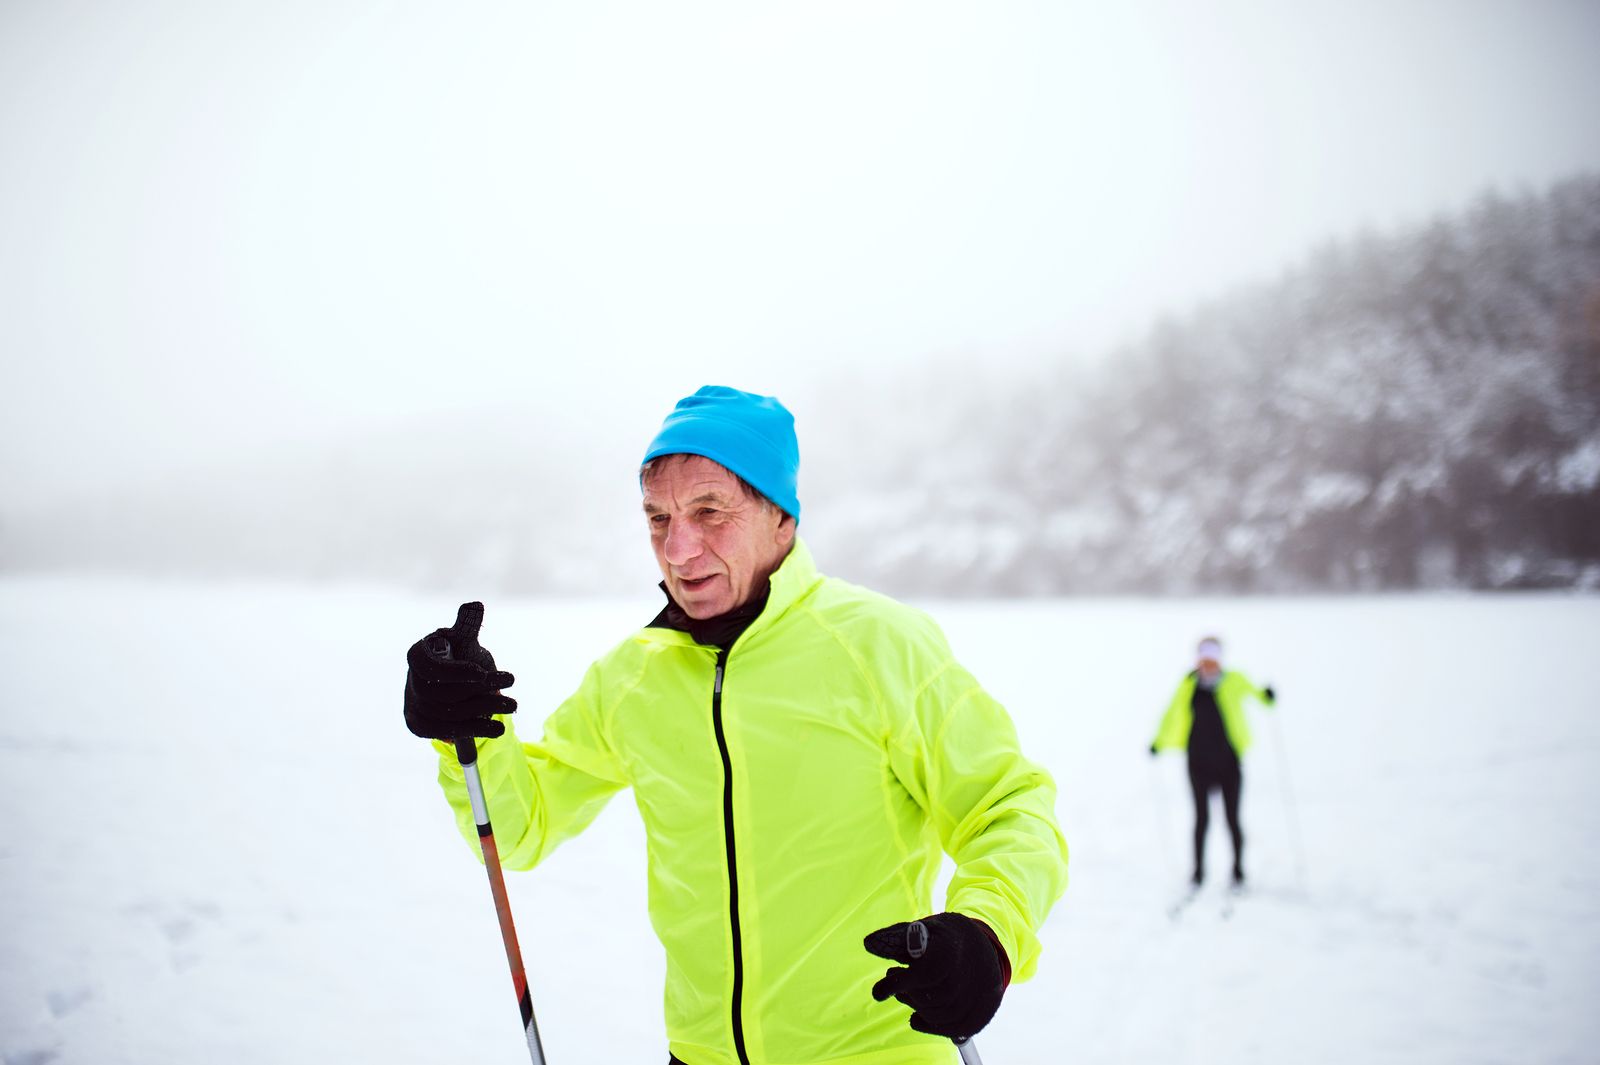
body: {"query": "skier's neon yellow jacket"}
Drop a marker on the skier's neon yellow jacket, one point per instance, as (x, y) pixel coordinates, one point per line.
(1232, 687)
(858, 748)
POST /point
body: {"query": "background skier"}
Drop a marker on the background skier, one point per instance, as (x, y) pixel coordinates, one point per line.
(1206, 718)
(800, 751)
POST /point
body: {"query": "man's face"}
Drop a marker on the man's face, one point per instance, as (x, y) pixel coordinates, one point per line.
(716, 544)
(1210, 668)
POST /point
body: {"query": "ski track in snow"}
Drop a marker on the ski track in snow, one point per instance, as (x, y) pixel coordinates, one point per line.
(222, 845)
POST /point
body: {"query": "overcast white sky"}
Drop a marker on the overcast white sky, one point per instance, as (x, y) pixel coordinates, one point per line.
(227, 225)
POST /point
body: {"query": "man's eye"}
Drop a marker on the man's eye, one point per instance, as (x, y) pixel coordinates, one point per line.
(708, 512)
(658, 519)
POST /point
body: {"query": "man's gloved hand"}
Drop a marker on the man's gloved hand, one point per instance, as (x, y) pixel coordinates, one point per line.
(1153, 751)
(1271, 695)
(452, 686)
(955, 972)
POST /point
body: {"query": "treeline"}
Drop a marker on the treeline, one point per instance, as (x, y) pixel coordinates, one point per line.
(1405, 411)
(1413, 410)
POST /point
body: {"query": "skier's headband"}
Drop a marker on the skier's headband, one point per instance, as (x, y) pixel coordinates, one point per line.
(1210, 649)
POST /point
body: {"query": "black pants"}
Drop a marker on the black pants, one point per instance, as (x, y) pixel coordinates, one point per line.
(1204, 778)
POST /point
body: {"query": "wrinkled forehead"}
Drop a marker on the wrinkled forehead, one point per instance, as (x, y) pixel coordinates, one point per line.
(681, 478)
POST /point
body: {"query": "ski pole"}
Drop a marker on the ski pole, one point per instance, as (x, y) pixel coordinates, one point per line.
(1163, 829)
(467, 753)
(1281, 749)
(916, 946)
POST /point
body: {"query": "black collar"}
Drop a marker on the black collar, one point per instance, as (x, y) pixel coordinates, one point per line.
(720, 631)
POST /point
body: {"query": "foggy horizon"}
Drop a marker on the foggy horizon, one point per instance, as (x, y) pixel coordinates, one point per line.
(236, 230)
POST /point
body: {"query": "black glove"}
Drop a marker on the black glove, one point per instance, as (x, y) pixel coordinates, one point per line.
(1271, 695)
(1153, 751)
(955, 972)
(452, 687)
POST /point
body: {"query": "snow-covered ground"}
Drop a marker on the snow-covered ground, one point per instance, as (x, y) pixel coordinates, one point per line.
(221, 845)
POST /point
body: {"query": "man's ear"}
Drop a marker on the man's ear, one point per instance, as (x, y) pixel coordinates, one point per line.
(786, 530)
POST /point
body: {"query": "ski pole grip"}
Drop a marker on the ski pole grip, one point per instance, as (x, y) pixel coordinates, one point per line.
(466, 746)
(916, 939)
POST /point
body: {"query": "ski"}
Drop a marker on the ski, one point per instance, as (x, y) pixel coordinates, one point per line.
(1235, 893)
(1184, 901)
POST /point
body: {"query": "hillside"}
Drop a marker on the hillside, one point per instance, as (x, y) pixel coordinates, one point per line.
(1416, 409)
(1413, 410)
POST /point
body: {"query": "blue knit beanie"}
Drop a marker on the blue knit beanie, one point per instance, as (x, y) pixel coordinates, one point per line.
(749, 434)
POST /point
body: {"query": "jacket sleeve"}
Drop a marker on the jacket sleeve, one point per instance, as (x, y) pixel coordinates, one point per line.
(539, 794)
(993, 809)
(1173, 732)
(1248, 687)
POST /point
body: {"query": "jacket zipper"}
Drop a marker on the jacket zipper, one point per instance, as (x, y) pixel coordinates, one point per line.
(733, 875)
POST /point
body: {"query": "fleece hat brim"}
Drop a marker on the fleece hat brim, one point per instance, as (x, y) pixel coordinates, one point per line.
(751, 435)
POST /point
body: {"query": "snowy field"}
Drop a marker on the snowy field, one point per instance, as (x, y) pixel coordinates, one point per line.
(221, 845)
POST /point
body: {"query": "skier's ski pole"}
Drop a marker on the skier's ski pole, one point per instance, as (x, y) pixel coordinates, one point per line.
(1288, 802)
(1163, 829)
(467, 753)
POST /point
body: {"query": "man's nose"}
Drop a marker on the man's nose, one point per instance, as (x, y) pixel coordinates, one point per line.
(682, 543)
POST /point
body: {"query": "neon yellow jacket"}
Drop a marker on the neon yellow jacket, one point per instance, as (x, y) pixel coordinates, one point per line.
(1232, 687)
(858, 748)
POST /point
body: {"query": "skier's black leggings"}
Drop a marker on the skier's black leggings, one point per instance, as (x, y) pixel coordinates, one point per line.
(1204, 777)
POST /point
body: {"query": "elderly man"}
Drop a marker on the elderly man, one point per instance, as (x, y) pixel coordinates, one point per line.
(800, 750)
(1206, 718)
